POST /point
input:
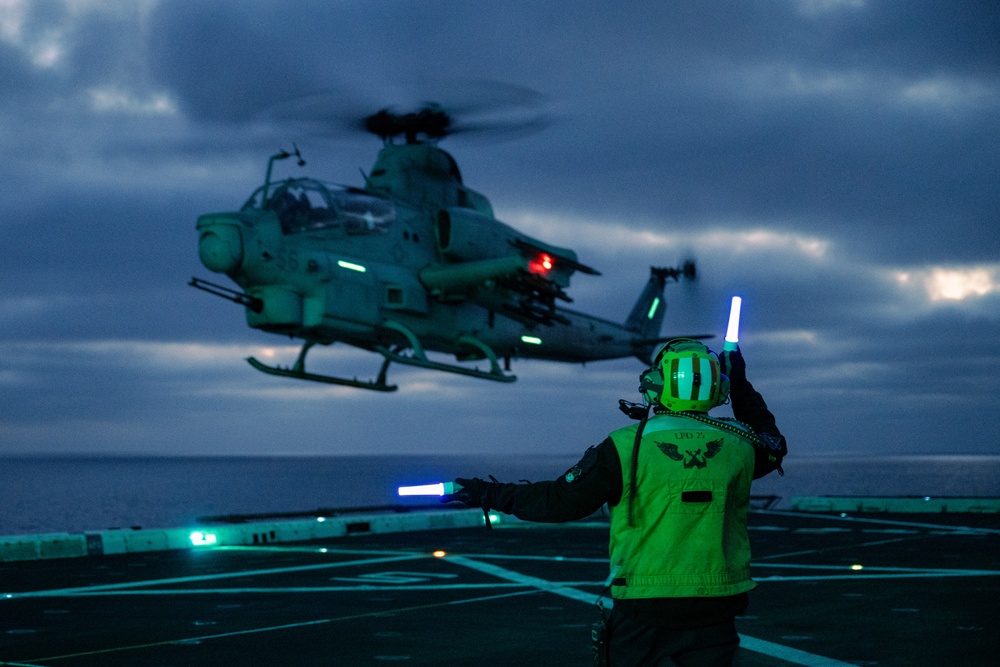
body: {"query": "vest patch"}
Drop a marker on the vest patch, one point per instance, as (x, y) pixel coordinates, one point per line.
(696, 496)
(692, 458)
(585, 465)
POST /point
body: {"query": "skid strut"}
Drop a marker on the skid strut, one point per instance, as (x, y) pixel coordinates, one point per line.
(298, 372)
(419, 358)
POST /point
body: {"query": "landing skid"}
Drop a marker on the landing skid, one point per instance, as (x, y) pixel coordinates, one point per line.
(298, 372)
(419, 358)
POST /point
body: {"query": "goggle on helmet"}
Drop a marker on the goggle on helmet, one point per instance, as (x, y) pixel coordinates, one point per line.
(685, 376)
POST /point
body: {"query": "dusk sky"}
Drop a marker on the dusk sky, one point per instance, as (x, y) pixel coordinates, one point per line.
(835, 162)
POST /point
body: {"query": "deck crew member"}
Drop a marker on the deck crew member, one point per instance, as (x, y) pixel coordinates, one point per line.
(678, 488)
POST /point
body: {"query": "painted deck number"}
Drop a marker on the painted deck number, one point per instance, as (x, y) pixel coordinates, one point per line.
(395, 577)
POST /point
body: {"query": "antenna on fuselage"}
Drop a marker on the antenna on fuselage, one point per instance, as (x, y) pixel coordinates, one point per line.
(281, 155)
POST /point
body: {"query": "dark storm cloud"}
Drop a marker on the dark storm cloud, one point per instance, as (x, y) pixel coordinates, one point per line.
(54, 54)
(834, 162)
(225, 63)
(746, 111)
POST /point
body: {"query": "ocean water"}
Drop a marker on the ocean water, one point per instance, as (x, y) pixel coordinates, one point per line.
(81, 493)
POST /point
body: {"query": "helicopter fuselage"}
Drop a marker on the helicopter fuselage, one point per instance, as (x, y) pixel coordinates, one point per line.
(415, 261)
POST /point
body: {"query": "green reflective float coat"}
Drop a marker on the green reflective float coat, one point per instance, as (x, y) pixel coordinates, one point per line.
(689, 537)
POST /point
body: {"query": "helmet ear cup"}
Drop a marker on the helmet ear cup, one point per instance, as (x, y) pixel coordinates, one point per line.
(723, 389)
(651, 384)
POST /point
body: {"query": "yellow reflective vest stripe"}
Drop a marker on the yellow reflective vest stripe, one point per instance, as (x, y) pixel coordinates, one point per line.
(689, 537)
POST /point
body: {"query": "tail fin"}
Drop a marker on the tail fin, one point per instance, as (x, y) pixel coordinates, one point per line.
(647, 314)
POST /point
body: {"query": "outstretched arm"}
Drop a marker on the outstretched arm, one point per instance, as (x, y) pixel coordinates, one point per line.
(579, 492)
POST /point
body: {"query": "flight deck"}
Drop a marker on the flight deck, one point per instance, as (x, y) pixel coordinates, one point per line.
(435, 587)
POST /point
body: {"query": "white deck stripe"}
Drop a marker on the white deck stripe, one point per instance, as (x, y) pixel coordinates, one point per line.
(961, 530)
(841, 547)
(875, 568)
(317, 550)
(789, 654)
(208, 577)
(780, 651)
(286, 626)
(515, 579)
(860, 577)
(555, 559)
(559, 588)
(364, 588)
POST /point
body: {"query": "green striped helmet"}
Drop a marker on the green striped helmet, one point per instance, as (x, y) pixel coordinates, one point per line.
(692, 380)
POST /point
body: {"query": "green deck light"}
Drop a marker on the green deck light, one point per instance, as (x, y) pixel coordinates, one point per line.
(533, 340)
(200, 539)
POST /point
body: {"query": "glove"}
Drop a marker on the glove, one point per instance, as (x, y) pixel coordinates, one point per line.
(733, 365)
(472, 492)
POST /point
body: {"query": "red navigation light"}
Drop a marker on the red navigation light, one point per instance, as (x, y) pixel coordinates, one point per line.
(542, 264)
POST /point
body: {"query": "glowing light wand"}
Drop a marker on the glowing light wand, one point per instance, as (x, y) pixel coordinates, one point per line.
(439, 489)
(733, 330)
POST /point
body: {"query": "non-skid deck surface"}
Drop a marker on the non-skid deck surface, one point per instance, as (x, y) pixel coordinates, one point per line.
(833, 590)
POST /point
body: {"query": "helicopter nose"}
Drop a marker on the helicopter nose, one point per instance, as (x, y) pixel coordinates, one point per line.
(220, 247)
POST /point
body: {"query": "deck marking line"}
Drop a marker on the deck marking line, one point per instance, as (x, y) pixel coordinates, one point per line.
(891, 531)
(286, 626)
(362, 588)
(186, 640)
(860, 577)
(559, 588)
(962, 530)
(552, 559)
(780, 651)
(789, 654)
(838, 547)
(530, 591)
(317, 550)
(211, 577)
(878, 568)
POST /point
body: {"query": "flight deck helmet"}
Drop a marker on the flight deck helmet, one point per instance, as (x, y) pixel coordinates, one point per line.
(685, 376)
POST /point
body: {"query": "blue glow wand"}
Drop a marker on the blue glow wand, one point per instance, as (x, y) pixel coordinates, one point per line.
(439, 489)
(733, 330)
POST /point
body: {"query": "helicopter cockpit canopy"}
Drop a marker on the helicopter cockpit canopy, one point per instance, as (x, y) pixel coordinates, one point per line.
(305, 205)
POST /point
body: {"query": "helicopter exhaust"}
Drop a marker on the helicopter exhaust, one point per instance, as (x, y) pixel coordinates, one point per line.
(251, 302)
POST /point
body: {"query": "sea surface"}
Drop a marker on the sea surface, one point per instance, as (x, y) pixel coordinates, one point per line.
(82, 493)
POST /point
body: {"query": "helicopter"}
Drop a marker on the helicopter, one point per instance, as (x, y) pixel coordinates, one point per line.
(413, 261)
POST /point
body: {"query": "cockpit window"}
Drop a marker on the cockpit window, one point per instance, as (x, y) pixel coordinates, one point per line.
(304, 206)
(302, 210)
(364, 214)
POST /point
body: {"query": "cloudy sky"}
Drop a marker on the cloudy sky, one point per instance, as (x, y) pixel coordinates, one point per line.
(833, 161)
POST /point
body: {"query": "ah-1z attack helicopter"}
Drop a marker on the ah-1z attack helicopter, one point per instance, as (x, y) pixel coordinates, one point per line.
(413, 261)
